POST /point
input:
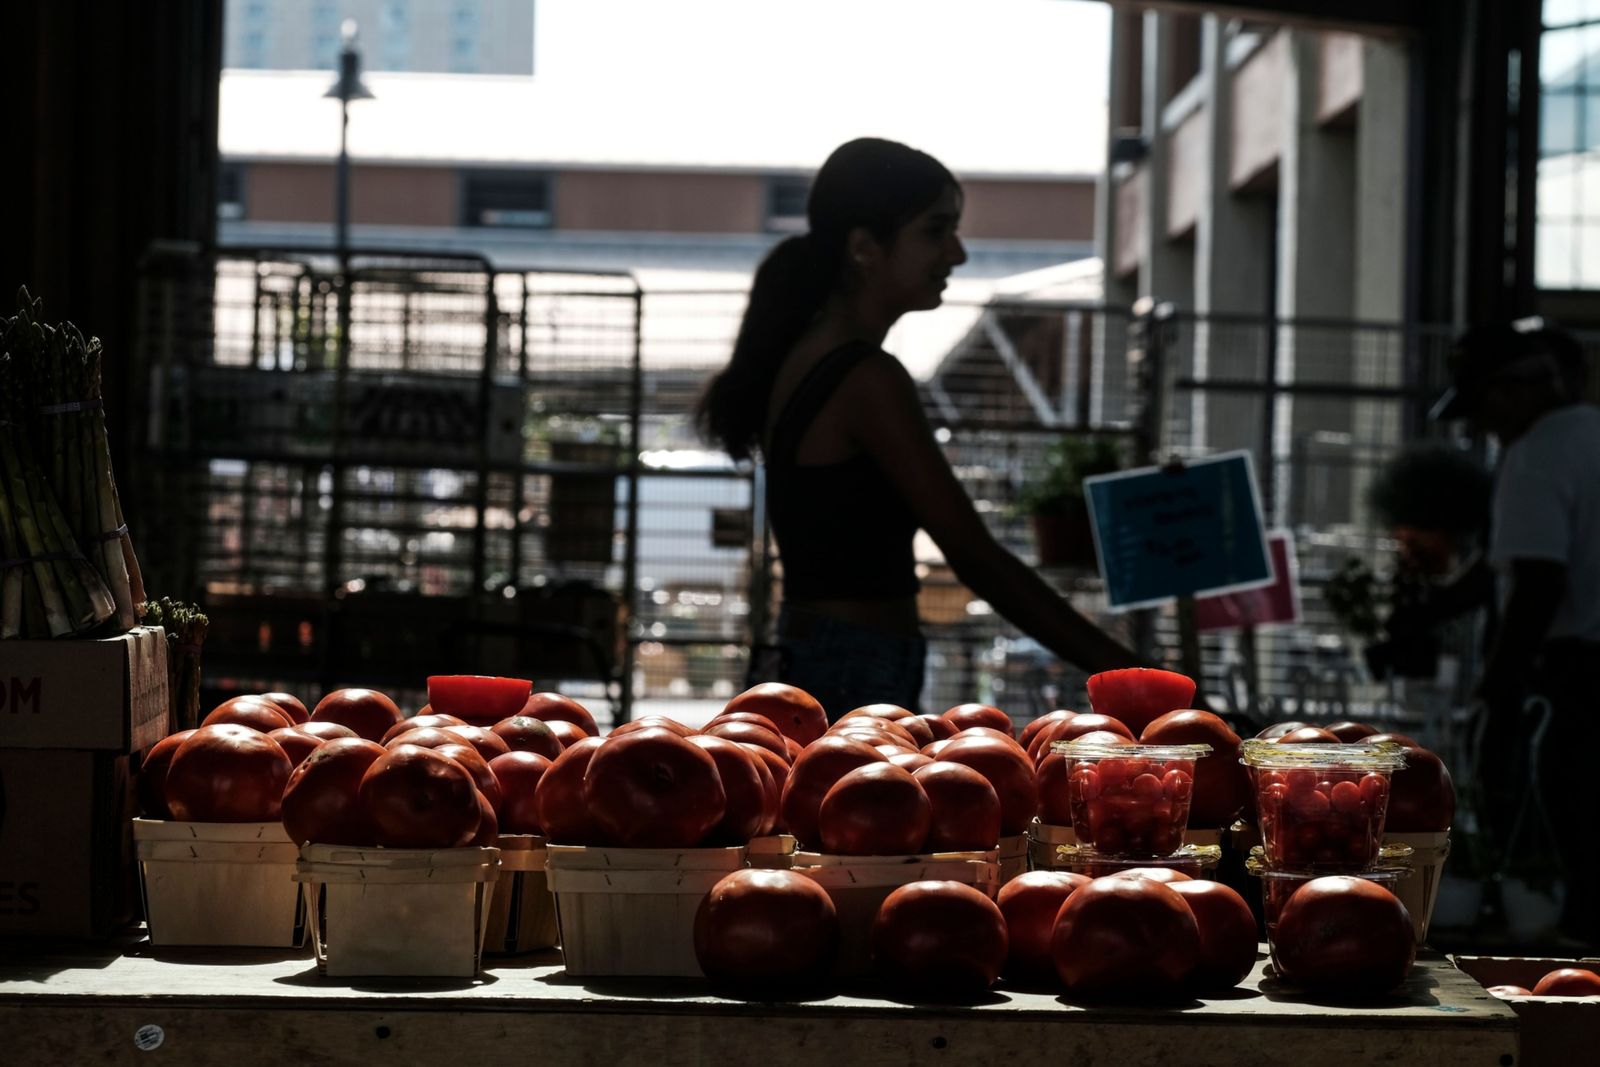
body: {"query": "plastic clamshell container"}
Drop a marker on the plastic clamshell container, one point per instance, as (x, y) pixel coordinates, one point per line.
(1197, 861)
(1321, 807)
(361, 897)
(1130, 800)
(219, 884)
(1277, 886)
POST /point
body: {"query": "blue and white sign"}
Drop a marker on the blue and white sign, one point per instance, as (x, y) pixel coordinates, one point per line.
(1166, 532)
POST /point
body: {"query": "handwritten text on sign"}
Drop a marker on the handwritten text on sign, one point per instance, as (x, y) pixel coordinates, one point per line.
(1166, 533)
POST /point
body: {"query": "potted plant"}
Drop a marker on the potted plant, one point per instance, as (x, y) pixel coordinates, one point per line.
(1055, 503)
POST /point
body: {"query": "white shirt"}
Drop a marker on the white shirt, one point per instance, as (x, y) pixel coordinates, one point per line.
(1547, 507)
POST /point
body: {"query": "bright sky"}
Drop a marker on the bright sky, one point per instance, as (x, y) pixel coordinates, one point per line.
(997, 86)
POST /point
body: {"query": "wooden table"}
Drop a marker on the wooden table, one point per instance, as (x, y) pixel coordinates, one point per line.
(123, 1004)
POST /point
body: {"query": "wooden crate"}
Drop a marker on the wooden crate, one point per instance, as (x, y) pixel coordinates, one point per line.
(630, 911)
(522, 911)
(860, 884)
(1044, 842)
(774, 852)
(1420, 892)
(1012, 855)
(219, 884)
(1554, 1031)
(398, 912)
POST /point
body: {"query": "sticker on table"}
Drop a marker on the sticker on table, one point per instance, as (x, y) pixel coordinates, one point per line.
(1161, 533)
(1275, 603)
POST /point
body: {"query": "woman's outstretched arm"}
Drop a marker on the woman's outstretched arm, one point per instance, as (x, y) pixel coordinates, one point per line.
(885, 417)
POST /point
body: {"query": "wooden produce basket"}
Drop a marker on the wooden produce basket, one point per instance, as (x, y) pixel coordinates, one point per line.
(522, 912)
(630, 911)
(1552, 1031)
(398, 912)
(774, 852)
(1012, 856)
(219, 884)
(1420, 892)
(1044, 842)
(860, 884)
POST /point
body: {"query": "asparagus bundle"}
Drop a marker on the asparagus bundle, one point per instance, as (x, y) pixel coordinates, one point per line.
(68, 562)
(186, 633)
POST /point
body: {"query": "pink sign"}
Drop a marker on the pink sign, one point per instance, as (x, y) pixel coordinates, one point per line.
(1278, 602)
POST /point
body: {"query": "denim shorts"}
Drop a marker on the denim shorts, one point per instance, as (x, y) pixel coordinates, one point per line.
(845, 665)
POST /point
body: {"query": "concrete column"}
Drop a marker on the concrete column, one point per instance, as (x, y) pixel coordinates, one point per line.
(1381, 146)
(1119, 292)
(1166, 267)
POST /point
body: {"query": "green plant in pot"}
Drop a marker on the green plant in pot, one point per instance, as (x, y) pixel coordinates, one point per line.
(1054, 499)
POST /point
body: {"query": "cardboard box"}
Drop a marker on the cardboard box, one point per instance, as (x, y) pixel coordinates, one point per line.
(71, 714)
(1552, 1030)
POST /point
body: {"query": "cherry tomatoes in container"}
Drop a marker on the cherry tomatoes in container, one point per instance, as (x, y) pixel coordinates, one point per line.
(482, 700)
(1130, 800)
(1221, 785)
(1321, 806)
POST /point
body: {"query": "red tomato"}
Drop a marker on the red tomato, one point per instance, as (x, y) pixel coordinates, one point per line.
(822, 763)
(426, 737)
(651, 722)
(650, 788)
(746, 794)
(914, 726)
(795, 711)
(1227, 933)
(1055, 804)
(482, 777)
(559, 797)
(1032, 728)
(745, 716)
(1221, 783)
(1568, 982)
(886, 727)
(488, 825)
(1074, 728)
(1344, 936)
(770, 790)
(290, 705)
(518, 773)
(568, 733)
(1310, 817)
(937, 937)
(1308, 735)
(327, 731)
(1030, 903)
(366, 711)
(932, 751)
(966, 716)
(151, 783)
(965, 808)
(419, 722)
(1278, 729)
(794, 747)
(1422, 798)
(480, 699)
(748, 733)
(1347, 731)
(768, 929)
(942, 728)
(874, 810)
(778, 768)
(1164, 875)
(258, 713)
(1006, 766)
(989, 731)
(1403, 740)
(523, 733)
(890, 751)
(227, 773)
(870, 737)
(1504, 991)
(553, 707)
(297, 743)
(320, 803)
(1125, 937)
(488, 743)
(417, 798)
(911, 761)
(878, 711)
(1139, 695)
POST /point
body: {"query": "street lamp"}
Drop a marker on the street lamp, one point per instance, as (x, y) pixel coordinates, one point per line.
(348, 87)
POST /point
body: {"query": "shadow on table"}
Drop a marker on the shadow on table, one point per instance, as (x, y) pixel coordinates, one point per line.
(311, 978)
(1414, 992)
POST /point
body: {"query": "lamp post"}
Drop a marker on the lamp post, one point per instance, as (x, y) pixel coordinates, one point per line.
(348, 87)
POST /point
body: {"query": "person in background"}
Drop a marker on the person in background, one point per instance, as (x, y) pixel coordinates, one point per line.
(852, 466)
(1523, 383)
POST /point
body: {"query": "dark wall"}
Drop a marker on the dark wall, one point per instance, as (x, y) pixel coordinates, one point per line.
(110, 134)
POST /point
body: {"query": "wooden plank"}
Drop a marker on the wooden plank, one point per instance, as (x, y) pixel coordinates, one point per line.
(252, 1007)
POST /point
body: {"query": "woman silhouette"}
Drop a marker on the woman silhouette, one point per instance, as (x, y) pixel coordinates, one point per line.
(853, 470)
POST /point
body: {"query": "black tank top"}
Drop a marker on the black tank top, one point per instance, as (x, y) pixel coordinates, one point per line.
(843, 529)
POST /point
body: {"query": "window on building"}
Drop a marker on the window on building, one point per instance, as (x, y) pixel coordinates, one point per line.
(786, 203)
(394, 35)
(505, 199)
(324, 35)
(1567, 237)
(230, 191)
(464, 38)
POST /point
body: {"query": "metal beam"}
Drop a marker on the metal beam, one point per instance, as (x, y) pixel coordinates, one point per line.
(1393, 18)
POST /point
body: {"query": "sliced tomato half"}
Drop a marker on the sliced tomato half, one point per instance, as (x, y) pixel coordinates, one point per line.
(1140, 695)
(481, 699)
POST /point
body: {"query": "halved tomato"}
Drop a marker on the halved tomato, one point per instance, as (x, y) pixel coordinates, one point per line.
(481, 699)
(1139, 695)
